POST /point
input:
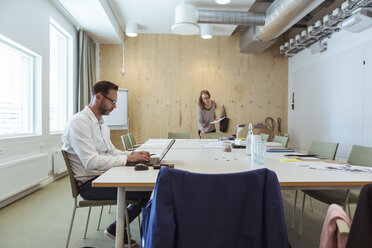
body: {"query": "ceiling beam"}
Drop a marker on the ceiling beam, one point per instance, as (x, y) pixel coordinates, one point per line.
(111, 16)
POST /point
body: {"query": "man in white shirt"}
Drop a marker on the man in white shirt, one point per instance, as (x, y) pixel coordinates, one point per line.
(86, 139)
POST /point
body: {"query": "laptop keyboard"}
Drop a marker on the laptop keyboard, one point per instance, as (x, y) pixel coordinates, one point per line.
(153, 161)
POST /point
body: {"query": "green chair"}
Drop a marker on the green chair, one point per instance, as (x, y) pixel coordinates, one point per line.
(133, 141)
(126, 143)
(359, 155)
(281, 139)
(212, 135)
(265, 137)
(85, 203)
(175, 135)
(82, 203)
(320, 149)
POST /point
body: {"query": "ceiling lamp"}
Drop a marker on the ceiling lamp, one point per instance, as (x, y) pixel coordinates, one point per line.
(206, 31)
(186, 19)
(131, 29)
(222, 1)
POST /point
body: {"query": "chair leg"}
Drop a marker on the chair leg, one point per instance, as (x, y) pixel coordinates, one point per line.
(72, 222)
(294, 210)
(86, 226)
(348, 207)
(109, 210)
(100, 217)
(311, 204)
(139, 222)
(302, 215)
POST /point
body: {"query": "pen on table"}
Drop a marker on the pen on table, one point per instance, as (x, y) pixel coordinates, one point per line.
(152, 154)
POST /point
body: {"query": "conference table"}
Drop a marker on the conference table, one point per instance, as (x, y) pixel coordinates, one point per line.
(207, 156)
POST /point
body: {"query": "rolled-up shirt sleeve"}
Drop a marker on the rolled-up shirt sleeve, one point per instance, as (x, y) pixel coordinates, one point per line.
(81, 138)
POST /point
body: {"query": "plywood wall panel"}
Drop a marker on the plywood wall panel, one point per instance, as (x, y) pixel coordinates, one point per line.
(165, 74)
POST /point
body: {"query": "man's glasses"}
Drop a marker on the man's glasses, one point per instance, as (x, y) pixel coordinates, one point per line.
(112, 100)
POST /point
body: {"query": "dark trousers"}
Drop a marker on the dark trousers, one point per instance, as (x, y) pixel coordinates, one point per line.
(90, 193)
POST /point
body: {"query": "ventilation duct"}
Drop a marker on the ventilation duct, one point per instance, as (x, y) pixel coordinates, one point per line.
(339, 18)
(280, 16)
(359, 21)
(231, 17)
(187, 17)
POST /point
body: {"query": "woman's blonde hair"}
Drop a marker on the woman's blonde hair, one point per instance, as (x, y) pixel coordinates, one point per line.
(201, 103)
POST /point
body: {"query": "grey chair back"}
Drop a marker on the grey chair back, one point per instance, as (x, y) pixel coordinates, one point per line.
(212, 135)
(74, 187)
(281, 139)
(178, 135)
(323, 149)
(265, 137)
(132, 139)
(360, 155)
(126, 142)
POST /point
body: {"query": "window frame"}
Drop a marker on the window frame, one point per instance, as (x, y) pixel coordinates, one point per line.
(69, 73)
(35, 85)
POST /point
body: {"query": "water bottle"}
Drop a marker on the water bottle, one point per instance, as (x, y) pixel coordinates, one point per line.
(249, 140)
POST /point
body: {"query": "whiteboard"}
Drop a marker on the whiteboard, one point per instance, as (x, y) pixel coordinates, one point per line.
(118, 118)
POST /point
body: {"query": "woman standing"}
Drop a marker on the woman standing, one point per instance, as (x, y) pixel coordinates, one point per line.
(206, 113)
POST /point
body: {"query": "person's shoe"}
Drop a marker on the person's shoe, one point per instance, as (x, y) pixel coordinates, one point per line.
(111, 231)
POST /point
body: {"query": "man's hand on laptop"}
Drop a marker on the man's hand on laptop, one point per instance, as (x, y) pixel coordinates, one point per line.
(141, 156)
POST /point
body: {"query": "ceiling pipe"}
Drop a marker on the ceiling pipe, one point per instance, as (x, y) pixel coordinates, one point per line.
(231, 17)
(283, 14)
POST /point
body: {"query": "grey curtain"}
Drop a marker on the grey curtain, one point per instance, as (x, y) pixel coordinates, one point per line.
(87, 69)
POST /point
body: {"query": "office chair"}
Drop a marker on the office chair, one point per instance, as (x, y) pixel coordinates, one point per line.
(321, 149)
(126, 142)
(133, 141)
(228, 212)
(281, 139)
(179, 135)
(265, 137)
(359, 155)
(84, 203)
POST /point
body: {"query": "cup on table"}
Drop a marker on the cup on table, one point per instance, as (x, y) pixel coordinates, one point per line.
(258, 150)
(227, 146)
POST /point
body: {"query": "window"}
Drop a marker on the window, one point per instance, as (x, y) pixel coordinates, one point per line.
(60, 77)
(17, 82)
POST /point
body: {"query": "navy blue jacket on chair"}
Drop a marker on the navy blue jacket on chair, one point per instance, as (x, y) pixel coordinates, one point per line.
(236, 210)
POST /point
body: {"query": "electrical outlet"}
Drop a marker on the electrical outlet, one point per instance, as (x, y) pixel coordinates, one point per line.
(2, 150)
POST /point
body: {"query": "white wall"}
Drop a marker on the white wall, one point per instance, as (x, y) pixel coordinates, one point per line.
(27, 23)
(333, 94)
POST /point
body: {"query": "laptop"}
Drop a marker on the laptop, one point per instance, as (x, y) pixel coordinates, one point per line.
(155, 160)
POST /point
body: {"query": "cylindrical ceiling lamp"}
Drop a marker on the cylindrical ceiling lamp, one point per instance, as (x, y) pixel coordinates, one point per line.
(206, 31)
(185, 20)
(131, 29)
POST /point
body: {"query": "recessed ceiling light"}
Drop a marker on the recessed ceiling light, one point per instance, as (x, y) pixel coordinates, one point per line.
(223, 1)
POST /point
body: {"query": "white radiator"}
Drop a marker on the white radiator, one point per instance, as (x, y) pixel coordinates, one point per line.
(20, 174)
(59, 165)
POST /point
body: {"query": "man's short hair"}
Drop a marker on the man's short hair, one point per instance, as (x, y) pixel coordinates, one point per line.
(103, 87)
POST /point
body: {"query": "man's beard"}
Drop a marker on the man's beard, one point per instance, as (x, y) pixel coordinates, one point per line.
(103, 110)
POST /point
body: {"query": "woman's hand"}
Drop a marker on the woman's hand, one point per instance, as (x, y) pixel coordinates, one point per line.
(201, 133)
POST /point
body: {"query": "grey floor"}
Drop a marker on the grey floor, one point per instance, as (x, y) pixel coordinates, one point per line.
(42, 220)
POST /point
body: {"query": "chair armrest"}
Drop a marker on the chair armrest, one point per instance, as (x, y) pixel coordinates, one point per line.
(342, 226)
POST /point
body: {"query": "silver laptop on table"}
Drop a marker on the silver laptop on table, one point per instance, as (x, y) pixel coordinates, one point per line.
(155, 160)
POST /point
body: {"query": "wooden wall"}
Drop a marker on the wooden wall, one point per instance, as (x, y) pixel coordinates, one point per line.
(165, 74)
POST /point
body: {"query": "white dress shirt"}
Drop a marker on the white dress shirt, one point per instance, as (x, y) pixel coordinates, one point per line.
(89, 149)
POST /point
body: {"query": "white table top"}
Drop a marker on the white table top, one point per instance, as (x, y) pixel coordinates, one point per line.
(211, 160)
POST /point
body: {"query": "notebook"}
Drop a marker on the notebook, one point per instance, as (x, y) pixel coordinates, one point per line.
(155, 160)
